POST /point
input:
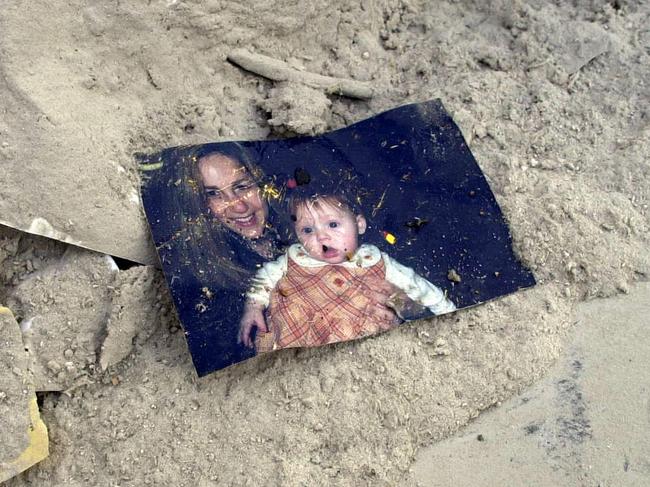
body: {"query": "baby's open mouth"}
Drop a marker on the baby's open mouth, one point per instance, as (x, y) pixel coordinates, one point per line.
(329, 252)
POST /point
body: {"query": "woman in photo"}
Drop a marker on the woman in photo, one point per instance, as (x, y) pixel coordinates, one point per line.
(226, 230)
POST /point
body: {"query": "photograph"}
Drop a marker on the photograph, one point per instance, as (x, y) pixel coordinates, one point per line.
(307, 241)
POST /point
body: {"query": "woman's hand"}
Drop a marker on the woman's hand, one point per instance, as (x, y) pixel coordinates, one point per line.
(253, 317)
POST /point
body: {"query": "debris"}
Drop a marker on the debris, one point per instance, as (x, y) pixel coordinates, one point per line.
(206, 292)
(24, 439)
(135, 313)
(301, 176)
(297, 108)
(281, 71)
(62, 344)
(453, 276)
(380, 203)
(576, 43)
(269, 191)
(390, 238)
(441, 347)
(416, 223)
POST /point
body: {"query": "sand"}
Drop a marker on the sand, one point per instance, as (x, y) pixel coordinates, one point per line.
(586, 423)
(552, 99)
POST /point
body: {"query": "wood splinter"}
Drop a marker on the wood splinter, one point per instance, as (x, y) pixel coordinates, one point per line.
(280, 71)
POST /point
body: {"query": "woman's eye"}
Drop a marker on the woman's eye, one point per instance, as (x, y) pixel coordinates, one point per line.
(307, 230)
(244, 187)
(334, 224)
(212, 193)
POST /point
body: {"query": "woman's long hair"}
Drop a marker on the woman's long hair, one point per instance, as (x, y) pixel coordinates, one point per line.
(201, 244)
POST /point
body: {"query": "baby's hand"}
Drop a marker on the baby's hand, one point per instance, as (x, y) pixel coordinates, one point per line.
(253, 317)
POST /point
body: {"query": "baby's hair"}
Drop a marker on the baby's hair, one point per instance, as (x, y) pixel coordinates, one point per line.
(312, 197)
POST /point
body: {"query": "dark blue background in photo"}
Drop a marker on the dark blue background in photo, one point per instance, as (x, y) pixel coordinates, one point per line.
(422, 184)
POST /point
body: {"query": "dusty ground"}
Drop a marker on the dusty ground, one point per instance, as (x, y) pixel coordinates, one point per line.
(586, 423)
(553, 100)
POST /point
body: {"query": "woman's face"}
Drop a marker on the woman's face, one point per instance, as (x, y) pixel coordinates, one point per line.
(233, 196)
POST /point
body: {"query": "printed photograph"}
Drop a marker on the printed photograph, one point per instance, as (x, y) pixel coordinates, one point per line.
(309, 241)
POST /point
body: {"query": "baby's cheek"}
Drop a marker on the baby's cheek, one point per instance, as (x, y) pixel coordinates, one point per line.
(305, 241)
(312, 247)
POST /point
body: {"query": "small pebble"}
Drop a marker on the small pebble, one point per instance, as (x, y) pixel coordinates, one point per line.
(480, 131)
(453, 276)
(54, 366)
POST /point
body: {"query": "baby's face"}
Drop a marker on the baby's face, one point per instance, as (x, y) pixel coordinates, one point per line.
(329, 232)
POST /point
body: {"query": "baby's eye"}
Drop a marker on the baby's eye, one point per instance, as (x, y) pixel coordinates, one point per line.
(307, 230)
(334, 224)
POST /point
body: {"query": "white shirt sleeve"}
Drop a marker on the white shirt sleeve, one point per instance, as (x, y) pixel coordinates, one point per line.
(416, 287)
(266, 279)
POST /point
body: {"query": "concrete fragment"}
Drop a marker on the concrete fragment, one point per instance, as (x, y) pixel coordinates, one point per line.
(576, 43)
(64, 308)
(24, 435)
(135, 313)
(281, 71)
(297, 108)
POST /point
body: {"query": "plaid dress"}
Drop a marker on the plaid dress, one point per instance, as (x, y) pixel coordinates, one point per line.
(313, 306)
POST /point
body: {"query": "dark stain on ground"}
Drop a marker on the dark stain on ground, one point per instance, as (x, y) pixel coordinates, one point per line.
(574, 427)
(531, 428)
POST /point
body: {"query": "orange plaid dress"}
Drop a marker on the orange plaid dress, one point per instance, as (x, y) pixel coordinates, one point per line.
(313, 306)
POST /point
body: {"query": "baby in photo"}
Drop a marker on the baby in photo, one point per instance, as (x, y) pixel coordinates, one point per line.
(328, 288)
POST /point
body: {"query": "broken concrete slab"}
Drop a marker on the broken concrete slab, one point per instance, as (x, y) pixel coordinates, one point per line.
(73, 304)
(63, 309)
(140, 305)
(111, 221)
(25, 439)
(574, 44)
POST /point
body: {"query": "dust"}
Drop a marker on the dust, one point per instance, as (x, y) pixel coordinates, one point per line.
(297, 109)
(561, 132)
(15, 384)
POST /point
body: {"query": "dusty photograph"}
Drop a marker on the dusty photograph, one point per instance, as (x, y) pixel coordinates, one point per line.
(307, 241)
(98, 385)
